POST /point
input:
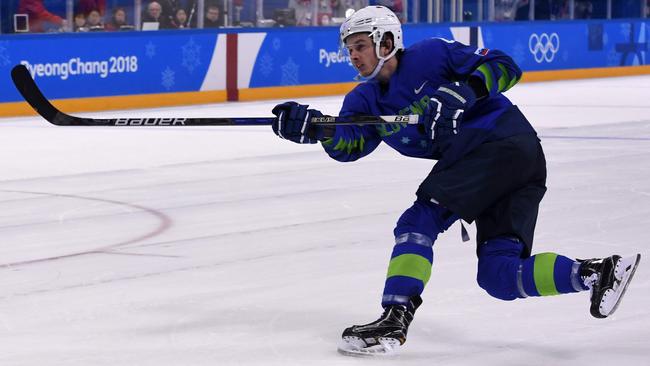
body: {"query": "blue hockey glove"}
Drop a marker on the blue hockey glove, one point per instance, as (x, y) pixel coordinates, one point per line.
(292, 123)
(446, 108)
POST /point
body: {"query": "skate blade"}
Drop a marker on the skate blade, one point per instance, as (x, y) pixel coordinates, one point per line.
(356, 347)
(624, 272)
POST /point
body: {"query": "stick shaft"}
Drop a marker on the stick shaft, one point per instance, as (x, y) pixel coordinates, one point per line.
(33, 95)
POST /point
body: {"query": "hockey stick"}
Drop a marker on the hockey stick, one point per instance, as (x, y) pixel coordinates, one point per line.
(33, 95)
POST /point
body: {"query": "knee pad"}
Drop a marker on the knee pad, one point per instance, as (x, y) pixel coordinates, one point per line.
(498, 263)
(426, 218)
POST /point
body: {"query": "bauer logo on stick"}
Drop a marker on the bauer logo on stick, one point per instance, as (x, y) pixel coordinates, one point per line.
(324, 119)
(150, 121)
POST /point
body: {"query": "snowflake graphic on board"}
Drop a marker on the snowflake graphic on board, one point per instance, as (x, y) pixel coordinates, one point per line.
(150, 50)
(4, 56)
(276, 44)
(290, 73)
(168, 78)
(309, 44)
(266, 64)
(191, 55)
(406, 140)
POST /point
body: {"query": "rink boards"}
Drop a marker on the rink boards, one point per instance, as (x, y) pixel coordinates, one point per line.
(98, 71)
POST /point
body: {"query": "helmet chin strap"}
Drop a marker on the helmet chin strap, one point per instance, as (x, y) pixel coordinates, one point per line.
(380, 64)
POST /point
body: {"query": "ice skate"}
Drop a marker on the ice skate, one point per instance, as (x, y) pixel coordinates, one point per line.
(608, 279)
(383, 336)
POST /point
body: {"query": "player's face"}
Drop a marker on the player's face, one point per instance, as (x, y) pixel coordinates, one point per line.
(362, 53)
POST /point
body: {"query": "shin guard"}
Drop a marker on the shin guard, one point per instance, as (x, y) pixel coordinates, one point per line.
(410, 265)
(504, 275)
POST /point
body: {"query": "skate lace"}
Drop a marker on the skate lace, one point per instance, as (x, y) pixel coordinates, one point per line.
(394, 317)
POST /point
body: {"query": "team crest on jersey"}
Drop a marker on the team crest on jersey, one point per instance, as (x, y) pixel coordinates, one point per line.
(482, 51)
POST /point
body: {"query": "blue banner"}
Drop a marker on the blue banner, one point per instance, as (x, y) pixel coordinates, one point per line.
(128, 63)
(108, 64)
(571, 45)
(294, 57)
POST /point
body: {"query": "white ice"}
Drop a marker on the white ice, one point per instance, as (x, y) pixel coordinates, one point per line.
(227, 246)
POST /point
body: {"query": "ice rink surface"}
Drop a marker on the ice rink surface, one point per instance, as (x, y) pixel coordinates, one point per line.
(227, 246)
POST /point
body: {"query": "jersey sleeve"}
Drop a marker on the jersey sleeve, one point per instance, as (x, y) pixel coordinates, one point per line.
(351, 143)
(496, 69)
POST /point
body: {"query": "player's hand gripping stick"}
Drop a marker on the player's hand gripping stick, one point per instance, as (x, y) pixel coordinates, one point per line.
(446, 109)
(292, 123)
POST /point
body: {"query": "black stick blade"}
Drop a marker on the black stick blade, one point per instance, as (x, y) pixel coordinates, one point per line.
(31, 93)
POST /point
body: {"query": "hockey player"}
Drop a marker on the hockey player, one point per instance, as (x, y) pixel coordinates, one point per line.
(491, 169)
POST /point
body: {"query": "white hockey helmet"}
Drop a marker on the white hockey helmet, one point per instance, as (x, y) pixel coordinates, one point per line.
(376, 20)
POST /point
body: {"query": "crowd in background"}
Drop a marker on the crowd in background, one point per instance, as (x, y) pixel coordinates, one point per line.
(544, 9)
(95, 15)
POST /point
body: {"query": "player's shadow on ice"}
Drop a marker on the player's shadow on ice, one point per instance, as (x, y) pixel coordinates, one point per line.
(304, 334)
(434, 341)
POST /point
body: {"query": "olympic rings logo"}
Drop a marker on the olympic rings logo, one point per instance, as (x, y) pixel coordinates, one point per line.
(544, 47)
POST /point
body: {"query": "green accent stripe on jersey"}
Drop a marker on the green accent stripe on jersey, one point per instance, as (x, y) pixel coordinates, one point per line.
(341, 144)
(410, 265)
(488, 75)
(544, 273)
(504, 79)
(348, 145)
(362, 142)
(514, 81)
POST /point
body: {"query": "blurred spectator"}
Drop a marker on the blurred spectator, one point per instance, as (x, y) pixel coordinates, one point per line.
(324, 12)
(40, 20)
(86, 6)
(212, 17)
(169, 8)
(506, 10)
(80, 23)
(304, 10)
(542, 10)
(523, 10)
(94, 21)
(324, 19)
(180, 19)
(153, 14)
(583, 9)
(560, 9)
(340, 6)
(118, 21)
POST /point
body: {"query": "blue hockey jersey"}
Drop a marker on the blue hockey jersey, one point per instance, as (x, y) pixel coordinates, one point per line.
(422, 68)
